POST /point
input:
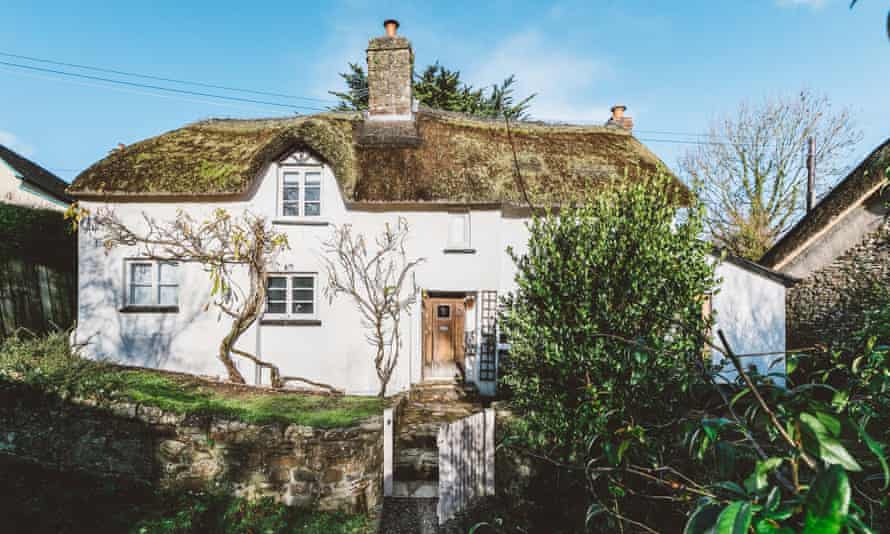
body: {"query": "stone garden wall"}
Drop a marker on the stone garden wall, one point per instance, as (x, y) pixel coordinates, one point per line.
(334, 469)
(828, 305)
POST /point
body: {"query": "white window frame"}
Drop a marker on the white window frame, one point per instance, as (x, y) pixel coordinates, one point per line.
(301, 171)
(289, 297)
(155, 284)
(464, 244)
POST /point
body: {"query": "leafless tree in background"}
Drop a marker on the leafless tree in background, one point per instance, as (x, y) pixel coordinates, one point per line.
(751, 167)
(375, 281)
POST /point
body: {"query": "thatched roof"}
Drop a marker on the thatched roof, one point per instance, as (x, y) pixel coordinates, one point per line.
(861, 183)
(439, 157)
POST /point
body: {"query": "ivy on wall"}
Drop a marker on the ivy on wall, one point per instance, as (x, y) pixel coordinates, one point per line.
(36, 235)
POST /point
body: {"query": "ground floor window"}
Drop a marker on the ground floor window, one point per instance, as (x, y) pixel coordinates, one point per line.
(152, 283)
(291, 295)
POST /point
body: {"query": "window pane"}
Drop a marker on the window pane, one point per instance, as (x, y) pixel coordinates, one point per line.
(276, 307)
(302, 307)
(169, 296)
(291, 178)
(290, 210)
(313, 193)
(303, 295)
(302, 281)
(291, 194)
(313, 208)
(277, 295)
(276, 282)
(140, 296)
(169, 273)
(313, 178)
(140, 273)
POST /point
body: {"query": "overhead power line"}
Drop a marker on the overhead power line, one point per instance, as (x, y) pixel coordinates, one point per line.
(164, 79)
(161, 88)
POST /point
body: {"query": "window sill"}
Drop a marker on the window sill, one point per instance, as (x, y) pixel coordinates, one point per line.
(290, 322)
(149, 309)
(301, 221)
(456, 250)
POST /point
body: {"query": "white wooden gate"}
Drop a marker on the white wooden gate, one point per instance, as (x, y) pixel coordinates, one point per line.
(466, 463)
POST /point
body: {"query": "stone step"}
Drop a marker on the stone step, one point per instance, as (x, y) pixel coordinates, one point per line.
(416, 464)
(404, 515)
(417, 489)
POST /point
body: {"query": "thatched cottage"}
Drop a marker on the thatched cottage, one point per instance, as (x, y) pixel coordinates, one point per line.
(452, 177)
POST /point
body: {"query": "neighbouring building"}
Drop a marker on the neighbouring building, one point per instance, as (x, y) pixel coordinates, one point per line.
(26, 183)
(453, 179)
(839, 254)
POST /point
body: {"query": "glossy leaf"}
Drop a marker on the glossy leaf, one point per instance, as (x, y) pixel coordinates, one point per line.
(703, 520)
(734, 519)
(828, 502)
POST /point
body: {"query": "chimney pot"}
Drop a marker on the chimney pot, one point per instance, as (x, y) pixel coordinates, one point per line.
(391, 26)
(618, 118)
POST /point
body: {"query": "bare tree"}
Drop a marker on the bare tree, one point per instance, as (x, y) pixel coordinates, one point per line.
(376, 282)
(752, 167)
(223, 245)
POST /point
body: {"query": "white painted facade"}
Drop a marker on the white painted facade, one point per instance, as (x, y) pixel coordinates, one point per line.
(336, 351)
(15, 190)
(750, 309)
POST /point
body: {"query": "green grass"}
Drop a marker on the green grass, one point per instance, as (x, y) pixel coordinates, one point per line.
(47, 363)
(185, 397)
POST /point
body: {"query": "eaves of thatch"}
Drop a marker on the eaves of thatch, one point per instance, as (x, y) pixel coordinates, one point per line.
(439, 157)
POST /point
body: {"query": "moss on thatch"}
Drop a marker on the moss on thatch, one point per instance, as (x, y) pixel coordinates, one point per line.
(447, 157)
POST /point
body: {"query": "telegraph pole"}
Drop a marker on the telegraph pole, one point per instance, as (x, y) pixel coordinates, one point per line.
(811, 175)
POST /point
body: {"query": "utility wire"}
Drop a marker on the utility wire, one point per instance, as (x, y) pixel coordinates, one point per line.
(163, 79)
(161, 88)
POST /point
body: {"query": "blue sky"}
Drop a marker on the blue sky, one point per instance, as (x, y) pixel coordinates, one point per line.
(676, 65)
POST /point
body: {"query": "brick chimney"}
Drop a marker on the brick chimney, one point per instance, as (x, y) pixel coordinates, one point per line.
(619, 119)
(390, 75)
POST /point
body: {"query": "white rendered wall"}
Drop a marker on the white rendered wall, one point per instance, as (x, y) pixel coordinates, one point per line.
(14, 190)
(750, 309)
(336, 352)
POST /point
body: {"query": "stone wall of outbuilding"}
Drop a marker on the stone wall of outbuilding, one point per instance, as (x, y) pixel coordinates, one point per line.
(828, 305)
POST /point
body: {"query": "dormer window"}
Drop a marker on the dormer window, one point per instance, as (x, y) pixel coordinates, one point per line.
(299, 190)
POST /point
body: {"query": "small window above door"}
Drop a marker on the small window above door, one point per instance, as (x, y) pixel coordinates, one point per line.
(458, 233)
(443, 311)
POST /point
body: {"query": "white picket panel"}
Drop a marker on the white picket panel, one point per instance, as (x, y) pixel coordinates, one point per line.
(466, 463)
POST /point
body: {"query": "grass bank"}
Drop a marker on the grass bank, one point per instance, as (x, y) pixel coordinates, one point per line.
(48, 363)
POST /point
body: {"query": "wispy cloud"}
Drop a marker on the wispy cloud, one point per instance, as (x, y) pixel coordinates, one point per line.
(812, 4)
(564, 81)
(12, 142)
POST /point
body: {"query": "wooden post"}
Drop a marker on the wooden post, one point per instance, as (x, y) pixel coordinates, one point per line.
(489, 451)
(388, 444)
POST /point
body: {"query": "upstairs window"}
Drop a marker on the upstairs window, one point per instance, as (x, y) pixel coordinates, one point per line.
(300, 192)
(291, 296)
(152, 283)
(458, 231)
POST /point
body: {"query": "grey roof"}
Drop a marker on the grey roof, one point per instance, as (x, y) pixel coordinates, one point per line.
(35, 175)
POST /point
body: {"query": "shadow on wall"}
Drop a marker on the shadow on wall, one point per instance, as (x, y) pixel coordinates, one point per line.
(137, 339)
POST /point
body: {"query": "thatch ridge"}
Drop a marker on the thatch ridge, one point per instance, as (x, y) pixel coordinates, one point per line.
(444, 157)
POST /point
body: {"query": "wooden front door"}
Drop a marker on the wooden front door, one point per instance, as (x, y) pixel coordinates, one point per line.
(443, 337)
